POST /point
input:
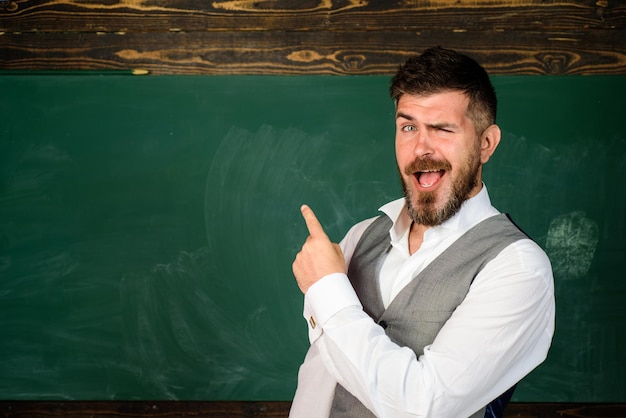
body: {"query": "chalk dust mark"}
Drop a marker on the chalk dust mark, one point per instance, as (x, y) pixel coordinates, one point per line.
(571, 244)
(185, 338)
(31, 168)
(200, 325)
(170, 325)
(260, 178)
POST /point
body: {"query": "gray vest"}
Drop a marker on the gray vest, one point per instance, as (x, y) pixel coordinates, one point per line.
(418, 312)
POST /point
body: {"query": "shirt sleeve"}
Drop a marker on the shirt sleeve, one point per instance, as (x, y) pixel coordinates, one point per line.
(499, 333)
(316, 386)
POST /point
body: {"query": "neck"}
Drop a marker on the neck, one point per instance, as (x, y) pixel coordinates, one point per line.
(416, 237)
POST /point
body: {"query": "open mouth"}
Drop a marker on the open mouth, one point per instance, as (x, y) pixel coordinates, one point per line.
(428, 178)
(427, 172)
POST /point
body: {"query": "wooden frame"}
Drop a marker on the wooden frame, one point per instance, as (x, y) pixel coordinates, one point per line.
(348, 37)
(307, 37)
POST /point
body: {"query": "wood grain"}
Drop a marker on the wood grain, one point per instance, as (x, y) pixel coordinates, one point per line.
(316, 15)
(310, 36)
(293, 53)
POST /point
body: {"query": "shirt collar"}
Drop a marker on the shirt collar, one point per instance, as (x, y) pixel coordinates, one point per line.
(472, 211)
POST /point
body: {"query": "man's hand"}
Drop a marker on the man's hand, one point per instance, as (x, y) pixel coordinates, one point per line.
(319, 257)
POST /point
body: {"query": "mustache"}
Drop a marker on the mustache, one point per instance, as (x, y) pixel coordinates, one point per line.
(427, 164)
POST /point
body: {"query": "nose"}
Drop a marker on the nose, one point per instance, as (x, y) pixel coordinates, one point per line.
(423, 145)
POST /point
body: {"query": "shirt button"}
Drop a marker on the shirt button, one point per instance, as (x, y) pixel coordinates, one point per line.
(312, 322)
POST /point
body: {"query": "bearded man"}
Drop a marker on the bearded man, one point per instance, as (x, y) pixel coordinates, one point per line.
(439, 306)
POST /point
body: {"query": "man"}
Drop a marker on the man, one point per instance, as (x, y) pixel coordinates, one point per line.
(438, 307)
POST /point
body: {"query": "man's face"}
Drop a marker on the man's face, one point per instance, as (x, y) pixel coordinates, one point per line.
(438, 153)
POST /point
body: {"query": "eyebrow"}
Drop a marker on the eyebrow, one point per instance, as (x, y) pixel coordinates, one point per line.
(438, 125)
(405, 116)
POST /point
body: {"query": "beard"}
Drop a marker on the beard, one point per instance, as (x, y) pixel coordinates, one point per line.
(426, 212)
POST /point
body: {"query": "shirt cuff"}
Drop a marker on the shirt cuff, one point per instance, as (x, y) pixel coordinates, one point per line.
(326, 297)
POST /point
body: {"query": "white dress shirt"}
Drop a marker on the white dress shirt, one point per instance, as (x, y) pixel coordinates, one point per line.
(497, 335)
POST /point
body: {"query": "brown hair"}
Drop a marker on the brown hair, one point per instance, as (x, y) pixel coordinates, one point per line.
(438, 70)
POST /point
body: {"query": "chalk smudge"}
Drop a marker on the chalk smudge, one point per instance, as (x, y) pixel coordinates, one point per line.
(571, 244)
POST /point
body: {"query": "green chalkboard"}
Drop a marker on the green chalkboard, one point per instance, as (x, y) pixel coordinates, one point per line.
(148, 225)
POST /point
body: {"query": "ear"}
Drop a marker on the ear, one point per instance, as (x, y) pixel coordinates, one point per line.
(489, 142)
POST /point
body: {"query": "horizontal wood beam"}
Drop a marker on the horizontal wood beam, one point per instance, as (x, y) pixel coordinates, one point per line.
(310, 37)
(311, 15)
(305, 53)
(250, 409)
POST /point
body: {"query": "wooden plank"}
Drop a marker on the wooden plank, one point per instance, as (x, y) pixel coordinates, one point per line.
(310, 36)
(170, 409)
(276, 409)
(308, 15)
(293, 53)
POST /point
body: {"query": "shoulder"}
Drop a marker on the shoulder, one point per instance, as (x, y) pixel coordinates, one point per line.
(523, 260)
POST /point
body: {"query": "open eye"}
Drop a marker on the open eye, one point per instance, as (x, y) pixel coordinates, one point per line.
(408, 128)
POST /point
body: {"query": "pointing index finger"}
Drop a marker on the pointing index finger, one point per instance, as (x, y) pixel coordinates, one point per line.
(313, 225)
